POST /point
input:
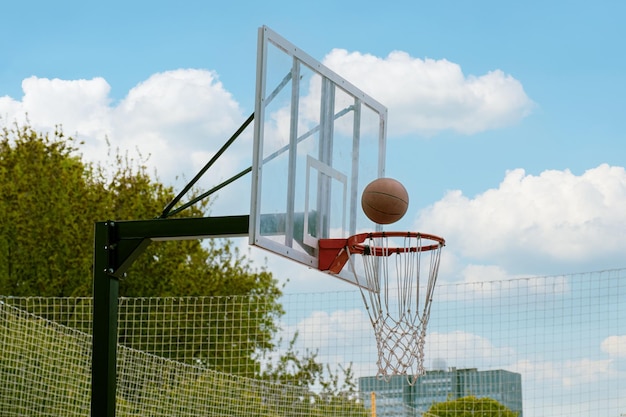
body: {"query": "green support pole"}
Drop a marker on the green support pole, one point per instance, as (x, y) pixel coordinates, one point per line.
(104, 341)
(116, 246)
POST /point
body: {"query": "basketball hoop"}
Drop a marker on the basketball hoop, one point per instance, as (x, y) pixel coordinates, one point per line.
(388, 275)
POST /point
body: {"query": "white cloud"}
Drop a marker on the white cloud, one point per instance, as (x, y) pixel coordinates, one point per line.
(78, 105)
(615, 346)
(9, 109)
(581, 372)
(462, 349)
(340, 327)
(484, 273)
(428, 96)
(492, 281)
(342, 337)
(175, 118)
(556, 216)
(193, 99)
(536, 370)
(180, 116)
(586, 371)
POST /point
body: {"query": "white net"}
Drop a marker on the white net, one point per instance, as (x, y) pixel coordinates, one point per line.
(400, 272)
(44, 367)
(543, 346)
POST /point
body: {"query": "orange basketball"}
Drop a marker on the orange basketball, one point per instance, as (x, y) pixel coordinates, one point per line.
(385, 201)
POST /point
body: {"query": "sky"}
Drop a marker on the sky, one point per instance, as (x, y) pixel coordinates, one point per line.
(506, 119)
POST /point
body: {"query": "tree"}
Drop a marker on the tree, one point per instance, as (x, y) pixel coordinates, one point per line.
(50, 200)
(470, 406)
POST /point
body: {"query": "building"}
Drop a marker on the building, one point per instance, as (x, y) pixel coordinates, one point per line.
(397, 397)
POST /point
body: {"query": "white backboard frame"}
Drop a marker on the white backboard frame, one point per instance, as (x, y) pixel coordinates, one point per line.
(307, 178)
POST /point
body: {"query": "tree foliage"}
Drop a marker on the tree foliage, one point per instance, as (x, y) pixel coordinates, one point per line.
(470, 406)
(50, 200)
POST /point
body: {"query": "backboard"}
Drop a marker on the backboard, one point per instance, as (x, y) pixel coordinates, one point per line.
(318, 141)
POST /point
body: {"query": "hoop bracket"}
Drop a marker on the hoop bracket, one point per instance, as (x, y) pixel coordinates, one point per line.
(332, 255)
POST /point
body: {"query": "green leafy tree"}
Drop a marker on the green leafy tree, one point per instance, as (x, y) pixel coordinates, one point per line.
(470, 406)
(50, 200)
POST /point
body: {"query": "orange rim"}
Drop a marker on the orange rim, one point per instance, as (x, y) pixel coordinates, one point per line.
(355, 243)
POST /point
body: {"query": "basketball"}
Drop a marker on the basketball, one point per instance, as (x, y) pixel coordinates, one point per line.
(385, 201)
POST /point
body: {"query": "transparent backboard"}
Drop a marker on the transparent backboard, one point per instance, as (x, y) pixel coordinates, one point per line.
(318, 141)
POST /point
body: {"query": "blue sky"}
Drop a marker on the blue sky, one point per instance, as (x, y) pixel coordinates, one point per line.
(536, 186)
(565, 54)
